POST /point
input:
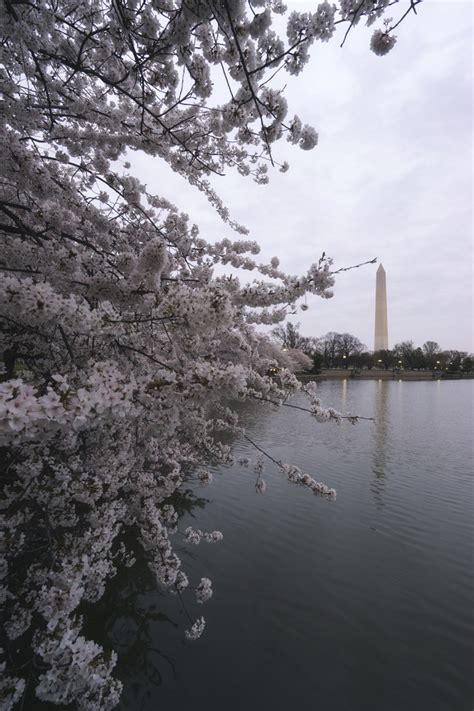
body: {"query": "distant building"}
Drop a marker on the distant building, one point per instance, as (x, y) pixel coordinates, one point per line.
(381, 327)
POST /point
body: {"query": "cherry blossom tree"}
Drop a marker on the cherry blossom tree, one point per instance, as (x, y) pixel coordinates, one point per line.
(120, 344)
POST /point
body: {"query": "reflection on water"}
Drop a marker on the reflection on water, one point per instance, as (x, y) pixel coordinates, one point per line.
(383, 392)
(132, 617)
(344, 395)
(362, 604)
(128, 619)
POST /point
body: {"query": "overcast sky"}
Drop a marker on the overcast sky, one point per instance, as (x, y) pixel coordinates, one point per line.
(391, 178)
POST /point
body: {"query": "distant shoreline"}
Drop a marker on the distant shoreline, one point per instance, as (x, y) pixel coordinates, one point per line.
(376, 374)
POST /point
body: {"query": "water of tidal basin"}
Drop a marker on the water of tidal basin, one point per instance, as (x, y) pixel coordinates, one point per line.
(359, 604)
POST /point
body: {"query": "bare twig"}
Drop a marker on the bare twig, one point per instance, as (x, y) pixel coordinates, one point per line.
(306, 409)
(268, 456)
(355, 266)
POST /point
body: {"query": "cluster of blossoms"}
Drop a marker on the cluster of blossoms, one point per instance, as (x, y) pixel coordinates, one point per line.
(79, 671)
(26, 415)
(296, 476)
(43, 306)
(119, 341)
(204, 478)
(381, 42)
(196, 630)
(204, 590)
(261, 486)
(195, 536)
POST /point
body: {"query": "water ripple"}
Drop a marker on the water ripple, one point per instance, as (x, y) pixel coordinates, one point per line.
(361, 604)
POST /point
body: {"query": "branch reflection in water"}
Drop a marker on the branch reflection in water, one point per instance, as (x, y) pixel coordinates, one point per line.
(127, 617)
(380, 441)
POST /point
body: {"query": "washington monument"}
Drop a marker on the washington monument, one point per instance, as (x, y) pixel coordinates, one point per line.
(381, 328)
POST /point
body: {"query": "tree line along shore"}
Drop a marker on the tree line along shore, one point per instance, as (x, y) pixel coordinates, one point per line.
(341, 355)
(382, 374)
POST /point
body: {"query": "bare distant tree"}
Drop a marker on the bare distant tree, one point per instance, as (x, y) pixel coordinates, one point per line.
(290, 337)
(349, 345)
(327, 346)
(431, 349)
(338, 348)
(453, 360)
(405, 351)
(385, 359)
